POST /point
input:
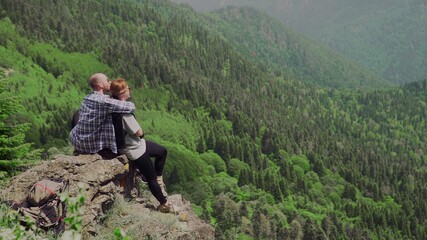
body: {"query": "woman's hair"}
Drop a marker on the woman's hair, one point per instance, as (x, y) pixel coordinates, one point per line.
(118, 87)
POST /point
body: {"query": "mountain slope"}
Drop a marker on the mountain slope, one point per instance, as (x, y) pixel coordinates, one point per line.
(384, 36)
(389, 41)
(258, 156)
(266, 41)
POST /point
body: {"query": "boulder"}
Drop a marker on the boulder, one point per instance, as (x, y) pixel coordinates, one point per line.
(102, 181)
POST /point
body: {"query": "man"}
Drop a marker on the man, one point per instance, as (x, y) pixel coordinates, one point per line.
(94, 131)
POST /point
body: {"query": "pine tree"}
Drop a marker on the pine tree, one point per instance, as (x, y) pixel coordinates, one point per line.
(12, 135)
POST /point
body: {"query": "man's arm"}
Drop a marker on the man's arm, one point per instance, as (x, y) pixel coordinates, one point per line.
(118, 106)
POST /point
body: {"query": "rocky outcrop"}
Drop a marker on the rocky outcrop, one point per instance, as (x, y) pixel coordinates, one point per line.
(102, 181)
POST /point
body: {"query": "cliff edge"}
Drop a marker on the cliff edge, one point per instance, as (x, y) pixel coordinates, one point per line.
(105, 208)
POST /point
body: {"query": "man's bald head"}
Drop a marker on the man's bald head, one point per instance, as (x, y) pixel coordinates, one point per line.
(99, 82)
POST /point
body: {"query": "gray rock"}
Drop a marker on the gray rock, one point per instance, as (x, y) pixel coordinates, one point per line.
(102, 181)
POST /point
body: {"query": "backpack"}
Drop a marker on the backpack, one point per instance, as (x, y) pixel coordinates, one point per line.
(75, 118)
(44, 206)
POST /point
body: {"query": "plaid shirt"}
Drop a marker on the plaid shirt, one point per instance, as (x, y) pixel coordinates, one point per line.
(94, 130)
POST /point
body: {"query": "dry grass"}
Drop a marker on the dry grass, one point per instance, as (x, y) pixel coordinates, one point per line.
(139, 220)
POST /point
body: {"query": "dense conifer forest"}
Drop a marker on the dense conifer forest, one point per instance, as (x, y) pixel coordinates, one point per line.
(261, 152)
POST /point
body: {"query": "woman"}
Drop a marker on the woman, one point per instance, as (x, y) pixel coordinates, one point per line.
(140, 150)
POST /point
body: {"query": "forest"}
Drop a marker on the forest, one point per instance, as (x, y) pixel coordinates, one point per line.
(261, 152)
(276, 48)
(385, 36)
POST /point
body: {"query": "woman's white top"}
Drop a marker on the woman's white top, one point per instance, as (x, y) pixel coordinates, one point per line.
(134, 146)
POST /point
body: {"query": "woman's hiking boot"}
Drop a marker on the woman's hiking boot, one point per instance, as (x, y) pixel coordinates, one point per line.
(164, 208)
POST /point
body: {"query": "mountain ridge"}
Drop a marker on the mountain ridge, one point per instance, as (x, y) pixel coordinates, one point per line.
(283, 50)
(259, 156)
(384, 36)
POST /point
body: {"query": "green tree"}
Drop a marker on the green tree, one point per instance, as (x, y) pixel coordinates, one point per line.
(12, 135)
(226, 211)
